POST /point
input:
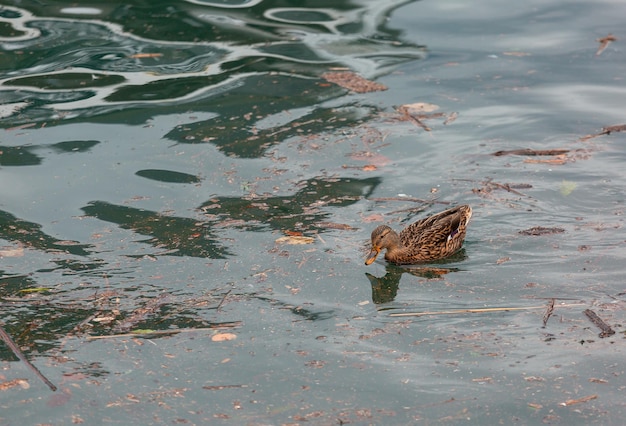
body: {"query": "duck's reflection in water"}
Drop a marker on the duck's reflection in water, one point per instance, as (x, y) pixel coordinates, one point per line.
(385, 288)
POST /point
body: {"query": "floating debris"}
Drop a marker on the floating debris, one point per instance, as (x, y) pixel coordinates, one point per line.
(599, 322)
(528, 151)
(540, 230)
(488, 186)
(604, 43)
(417, 112)
(354, 82)
(295, 239)
(578, 400)
(605, 131)
(549, 312)
(223, 337)
(18, 353)
(333, 225)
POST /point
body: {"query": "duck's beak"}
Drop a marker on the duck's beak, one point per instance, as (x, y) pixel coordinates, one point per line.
(372, 256)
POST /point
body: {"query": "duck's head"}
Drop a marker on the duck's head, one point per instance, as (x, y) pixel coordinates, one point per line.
(383, 237)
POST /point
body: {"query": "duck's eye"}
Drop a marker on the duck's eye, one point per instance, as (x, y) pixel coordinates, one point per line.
(382, 236)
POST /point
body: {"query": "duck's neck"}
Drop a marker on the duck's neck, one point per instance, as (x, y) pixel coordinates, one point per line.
(394, 246)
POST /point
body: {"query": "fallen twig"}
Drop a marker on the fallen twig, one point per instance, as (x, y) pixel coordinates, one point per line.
(221, 387)
(578, 400)
(225, 325)
(477, 310)
(219, 305)
(528, 151)
(413, 199)
(541, 230)
(18, 353)
(605, 131)
(599, 322)
(549, 312)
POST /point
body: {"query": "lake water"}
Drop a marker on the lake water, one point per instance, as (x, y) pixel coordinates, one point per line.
(186, 202)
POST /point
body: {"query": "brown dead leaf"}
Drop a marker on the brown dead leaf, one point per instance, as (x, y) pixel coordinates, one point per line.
(354, 82)
(23, 383)
(293, 233)
(502, 260)
(223, 337)
(377, 217)
(604, 43)
(366, 168)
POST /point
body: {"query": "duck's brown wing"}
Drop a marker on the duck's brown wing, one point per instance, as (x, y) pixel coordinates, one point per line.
(438, 234)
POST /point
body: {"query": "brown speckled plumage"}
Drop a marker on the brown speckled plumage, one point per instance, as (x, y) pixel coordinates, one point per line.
(432, 238)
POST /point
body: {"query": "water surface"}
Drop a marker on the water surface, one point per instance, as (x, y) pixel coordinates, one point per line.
(156, 160)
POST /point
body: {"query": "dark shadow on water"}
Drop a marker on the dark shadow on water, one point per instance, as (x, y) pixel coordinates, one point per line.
(26, 155)
(177, 236)
(385, 288)
(167, 176)
(299, 211)
(29, 234)
(252, 117)
(305, 313)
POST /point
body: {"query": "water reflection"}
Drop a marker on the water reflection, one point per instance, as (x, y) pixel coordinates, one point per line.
(252, 117)
(29, 234)
(385, 288)
(299, 211)
(177, 236)
(80, 64)
(28, 156)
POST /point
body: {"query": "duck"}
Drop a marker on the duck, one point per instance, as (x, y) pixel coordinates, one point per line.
(433, 238)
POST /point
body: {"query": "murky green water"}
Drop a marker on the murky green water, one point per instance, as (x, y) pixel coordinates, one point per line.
(157, 160)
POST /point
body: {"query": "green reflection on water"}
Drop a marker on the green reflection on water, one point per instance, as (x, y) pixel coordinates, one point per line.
(299, 211)
(174, 235)
(30, 234)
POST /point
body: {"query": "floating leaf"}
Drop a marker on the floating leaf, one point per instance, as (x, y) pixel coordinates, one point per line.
(353, 82)
(567, 187)
(223, 337)
(34, 290)
(23, 383)
(143, 331)
(333, 225)
(419, 107)
(604, 43)
(296, 239)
